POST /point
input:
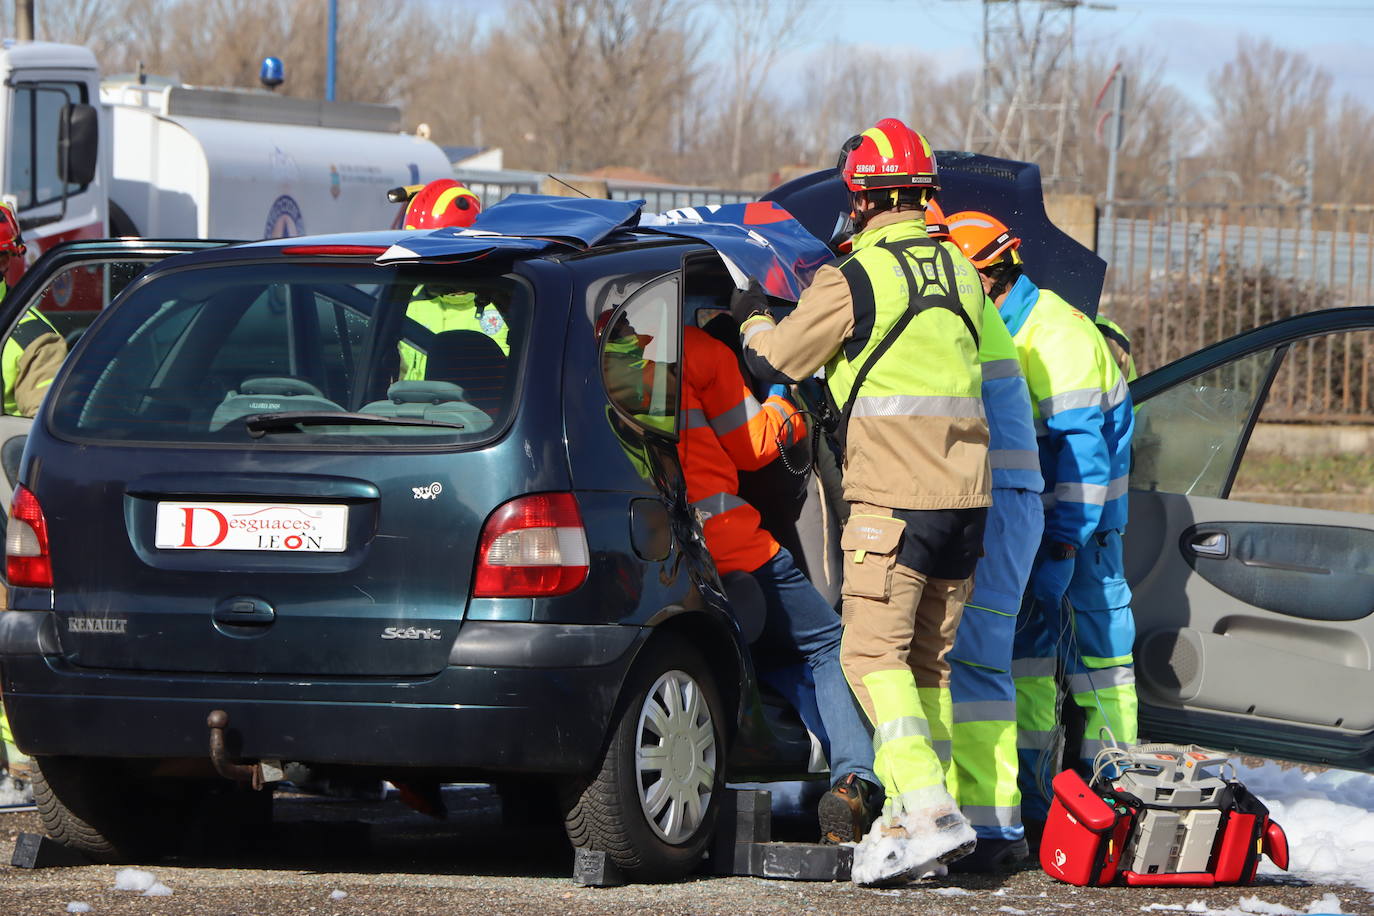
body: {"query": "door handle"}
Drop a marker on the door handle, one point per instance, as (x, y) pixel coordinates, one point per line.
(1213, 544)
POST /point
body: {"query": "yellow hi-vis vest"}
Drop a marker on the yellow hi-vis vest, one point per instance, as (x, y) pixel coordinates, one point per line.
(31, 327)
(449, 312)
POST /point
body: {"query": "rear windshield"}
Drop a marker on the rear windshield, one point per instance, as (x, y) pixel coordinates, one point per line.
(291, 354)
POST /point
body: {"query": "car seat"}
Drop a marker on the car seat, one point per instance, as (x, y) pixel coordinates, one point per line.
(475, 363)
(269, 394)
(430, 400)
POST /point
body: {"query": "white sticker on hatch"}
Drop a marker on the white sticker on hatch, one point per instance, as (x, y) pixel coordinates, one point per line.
(251, 526)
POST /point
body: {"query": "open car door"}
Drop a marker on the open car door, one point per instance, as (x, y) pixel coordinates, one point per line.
(1254, 605)
(69, 285)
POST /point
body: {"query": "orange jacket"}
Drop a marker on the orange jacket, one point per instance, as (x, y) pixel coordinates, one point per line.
(726, 430)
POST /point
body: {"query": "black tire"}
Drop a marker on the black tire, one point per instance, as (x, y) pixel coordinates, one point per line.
(609, 812)
(114, 811)
(120, 224)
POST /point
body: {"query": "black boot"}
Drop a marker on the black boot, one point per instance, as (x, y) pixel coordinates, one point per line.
(991, 856)
(849, 809)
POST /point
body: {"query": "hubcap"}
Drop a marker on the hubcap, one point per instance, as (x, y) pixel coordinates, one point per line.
(675, 759)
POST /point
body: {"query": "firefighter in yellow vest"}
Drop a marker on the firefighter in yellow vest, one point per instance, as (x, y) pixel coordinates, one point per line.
(33, 351)
(436, 309)
(896, 325)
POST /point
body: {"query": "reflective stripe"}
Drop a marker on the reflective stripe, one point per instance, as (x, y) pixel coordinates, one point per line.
(1093, 494)
(944, 749)
(985, 711)
(1013, 459)
(1041, 428)
(905, 727)
(1034, 741)
(696, 419)
(1001, 368)
(918, 405)
(1088, 750)
(1101, 679)
(1034, 667)
(993, 815)
(1093, 661)
(777, 409)
(1117, 395)
(1118, 487)
(754, 326)
(717, 504)
(727, 422)
(1070, 400)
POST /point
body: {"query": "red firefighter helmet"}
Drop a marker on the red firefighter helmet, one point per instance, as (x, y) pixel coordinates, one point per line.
(889, 155)
(442, 202)
(936, 224)
(12, 247)
(982, 238)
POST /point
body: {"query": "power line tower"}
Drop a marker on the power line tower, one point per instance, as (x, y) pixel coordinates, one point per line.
(1027, 100)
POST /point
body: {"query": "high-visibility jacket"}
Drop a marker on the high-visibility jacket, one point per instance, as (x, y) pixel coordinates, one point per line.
(451, 311)
(917, 436)
(1013, 452)
(726, 430)
(1120, 345)
(29, 361)
(1082, 408)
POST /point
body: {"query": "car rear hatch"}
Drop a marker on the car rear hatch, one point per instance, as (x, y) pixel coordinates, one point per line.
(276, 467)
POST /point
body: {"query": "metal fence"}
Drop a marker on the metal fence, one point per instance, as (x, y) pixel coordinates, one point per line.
(1183, 276)
(492, 186)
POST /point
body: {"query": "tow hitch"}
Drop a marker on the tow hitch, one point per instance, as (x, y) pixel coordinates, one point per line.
(258, 775)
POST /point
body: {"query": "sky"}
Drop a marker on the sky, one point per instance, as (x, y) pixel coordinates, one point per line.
(1194, 37)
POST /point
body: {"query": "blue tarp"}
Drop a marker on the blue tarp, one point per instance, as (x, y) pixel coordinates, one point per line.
(759, 241)
(523, 225)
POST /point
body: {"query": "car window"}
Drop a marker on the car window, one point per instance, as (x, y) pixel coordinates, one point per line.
(639, 354)
(1186, 437)
(1300, 453)
(34, 123)
(66, 304)
(203, 355)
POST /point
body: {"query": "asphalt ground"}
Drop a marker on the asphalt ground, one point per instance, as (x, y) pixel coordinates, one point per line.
(387, 859)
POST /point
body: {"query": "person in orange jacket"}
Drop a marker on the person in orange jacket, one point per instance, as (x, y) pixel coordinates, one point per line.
(726, 430)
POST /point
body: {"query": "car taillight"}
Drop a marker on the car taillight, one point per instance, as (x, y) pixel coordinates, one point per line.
(27, 562)
(534, 546)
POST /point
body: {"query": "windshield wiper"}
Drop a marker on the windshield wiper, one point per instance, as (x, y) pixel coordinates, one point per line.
(259, 424)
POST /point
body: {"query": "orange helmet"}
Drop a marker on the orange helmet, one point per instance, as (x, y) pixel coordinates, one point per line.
(982, 238)
(888, 155)
(443, 202)
(936, 224)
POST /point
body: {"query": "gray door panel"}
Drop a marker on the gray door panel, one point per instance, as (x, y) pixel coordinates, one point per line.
(1285, 642)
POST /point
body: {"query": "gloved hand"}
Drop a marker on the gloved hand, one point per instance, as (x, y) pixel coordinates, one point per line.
(1050, 577)
(778, 391)
(746, 302)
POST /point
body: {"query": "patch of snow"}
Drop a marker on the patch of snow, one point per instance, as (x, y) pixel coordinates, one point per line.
(158, 890)
(912, 852)
(337, 895)
(1328, 817)
(950, 891)
(1197, 906)
(1256, 905)
(78, 907)
(1328, 904)
(1161, 906)
(14, 792)
(134, 879)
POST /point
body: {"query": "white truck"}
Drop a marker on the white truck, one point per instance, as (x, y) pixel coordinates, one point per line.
(82, 160)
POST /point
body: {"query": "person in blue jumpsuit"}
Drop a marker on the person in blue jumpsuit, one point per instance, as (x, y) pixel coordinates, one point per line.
(1076, 622)
(983, 747)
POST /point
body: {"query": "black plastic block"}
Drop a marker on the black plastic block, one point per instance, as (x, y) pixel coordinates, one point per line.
(593, 868)
(802, 861)
(33, 850)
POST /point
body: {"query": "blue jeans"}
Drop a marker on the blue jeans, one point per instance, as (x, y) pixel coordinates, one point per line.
(801, 623)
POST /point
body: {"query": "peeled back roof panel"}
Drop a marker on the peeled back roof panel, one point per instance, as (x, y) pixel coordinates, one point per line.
(522, 225)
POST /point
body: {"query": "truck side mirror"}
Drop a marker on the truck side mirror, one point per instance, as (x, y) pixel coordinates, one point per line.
(78, 143)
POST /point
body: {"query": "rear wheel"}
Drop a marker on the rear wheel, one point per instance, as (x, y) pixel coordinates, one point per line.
(652, 805)
(115, 811)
